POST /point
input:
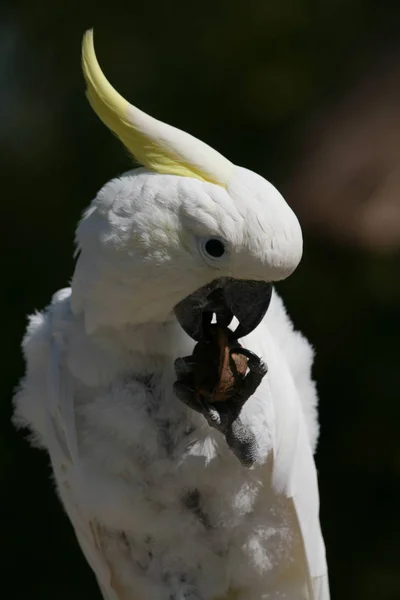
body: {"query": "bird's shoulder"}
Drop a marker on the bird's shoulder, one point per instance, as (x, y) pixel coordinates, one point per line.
(296, 351)
(43, 326)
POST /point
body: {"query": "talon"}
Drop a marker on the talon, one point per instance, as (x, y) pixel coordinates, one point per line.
(260, 367)
(186, 394)
(254, 362)
(211, 415)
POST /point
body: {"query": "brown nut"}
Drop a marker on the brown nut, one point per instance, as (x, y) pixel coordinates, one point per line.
(214, 377)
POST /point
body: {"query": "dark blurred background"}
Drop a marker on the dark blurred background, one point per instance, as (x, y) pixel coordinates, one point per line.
(305, 92)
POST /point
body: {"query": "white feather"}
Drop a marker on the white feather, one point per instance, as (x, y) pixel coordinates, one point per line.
(140, 452)
(130, 461)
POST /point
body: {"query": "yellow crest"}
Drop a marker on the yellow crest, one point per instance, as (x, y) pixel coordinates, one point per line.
(154, 144)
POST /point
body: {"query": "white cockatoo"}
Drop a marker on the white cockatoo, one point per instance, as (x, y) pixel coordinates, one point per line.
(165, 506)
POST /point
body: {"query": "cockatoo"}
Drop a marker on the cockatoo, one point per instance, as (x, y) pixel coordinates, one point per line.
(163, 507)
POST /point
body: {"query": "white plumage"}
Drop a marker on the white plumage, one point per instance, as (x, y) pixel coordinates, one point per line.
(160, 505)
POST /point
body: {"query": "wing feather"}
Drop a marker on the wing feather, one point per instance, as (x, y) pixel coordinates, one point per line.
(61, 439)
(294, 473)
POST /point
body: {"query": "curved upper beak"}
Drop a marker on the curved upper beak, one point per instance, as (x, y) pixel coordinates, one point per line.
(225, 298)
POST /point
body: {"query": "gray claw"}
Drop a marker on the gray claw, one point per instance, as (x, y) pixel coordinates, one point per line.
(260, 367)
(211, 415)
(255, 363)
(224, 416)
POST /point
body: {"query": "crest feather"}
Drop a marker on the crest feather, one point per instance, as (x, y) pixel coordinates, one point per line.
(154, 144)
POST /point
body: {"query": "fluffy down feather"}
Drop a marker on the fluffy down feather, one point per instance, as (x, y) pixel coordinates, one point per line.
(160, 506)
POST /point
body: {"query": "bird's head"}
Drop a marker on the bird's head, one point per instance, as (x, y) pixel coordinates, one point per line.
(190, 233)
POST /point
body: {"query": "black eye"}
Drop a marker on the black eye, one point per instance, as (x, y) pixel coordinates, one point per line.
(214, 248)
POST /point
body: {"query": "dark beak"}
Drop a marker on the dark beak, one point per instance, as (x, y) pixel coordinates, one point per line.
(225, 298)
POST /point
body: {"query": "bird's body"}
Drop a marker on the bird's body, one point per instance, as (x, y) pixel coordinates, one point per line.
(165, 503)
(160, 505)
